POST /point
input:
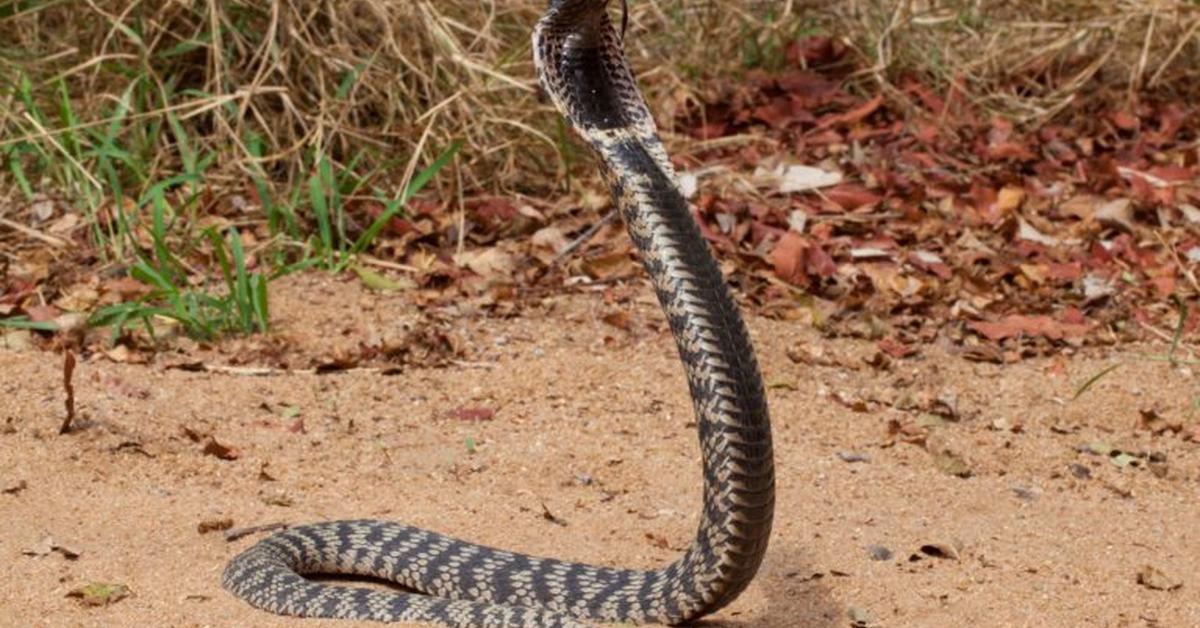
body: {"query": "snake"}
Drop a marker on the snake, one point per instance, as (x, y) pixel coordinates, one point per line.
(581, 64)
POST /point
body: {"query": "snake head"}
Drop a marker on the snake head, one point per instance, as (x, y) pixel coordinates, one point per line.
(577, 13)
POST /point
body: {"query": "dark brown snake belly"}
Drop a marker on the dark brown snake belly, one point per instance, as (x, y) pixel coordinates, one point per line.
(581, 65)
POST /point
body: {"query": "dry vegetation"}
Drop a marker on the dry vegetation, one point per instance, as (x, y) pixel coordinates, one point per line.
(186, 143)
(389, 78)
(1031, 59)
(309, 77)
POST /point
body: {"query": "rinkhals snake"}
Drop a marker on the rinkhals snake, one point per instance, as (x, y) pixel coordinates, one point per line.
(580, 61)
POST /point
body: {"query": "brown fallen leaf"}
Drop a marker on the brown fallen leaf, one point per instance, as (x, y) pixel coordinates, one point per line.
(619, 319)
(489, 263)
(215, 448)
(1155, 579)
(896, 349)
(278, 498)
(854, 403)
(796, 259)
(851, 117)
(1016, 325)
(1151, 420)
(907, 432)
(950, 551)
(551, 517)
(214, 525)
(658, 541)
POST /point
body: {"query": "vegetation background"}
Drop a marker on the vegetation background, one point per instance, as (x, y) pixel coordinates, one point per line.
(304, 127)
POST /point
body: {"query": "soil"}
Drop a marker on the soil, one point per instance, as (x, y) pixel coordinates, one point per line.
(561, 434)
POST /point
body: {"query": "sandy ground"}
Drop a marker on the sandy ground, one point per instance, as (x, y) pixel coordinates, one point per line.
(592, 424)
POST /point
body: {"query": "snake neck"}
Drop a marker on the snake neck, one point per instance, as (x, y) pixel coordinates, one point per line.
(581, 66)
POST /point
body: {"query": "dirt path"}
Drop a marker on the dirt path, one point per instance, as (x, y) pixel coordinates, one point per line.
(591, 424)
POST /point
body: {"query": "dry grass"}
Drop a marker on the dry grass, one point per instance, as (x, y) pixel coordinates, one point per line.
(1032, 59)
(269, 86)
(337, 78)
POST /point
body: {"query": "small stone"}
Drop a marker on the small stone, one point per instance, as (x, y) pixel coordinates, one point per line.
(852, 456)
(859, 617)
(879, 552)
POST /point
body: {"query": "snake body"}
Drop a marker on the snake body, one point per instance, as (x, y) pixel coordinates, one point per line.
(581, 65)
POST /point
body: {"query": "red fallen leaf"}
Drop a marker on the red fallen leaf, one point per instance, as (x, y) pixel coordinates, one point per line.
(895, 348)
(854, 116)
(494, 210)
(1001, 145)
(1171, 120)
(1098, 256)
(925, 132)
(820, 263)
(1124, 120)
(795, 259)
(825, 138)
(395, 226)
(42, 313)
(788, 258)
(125, 287)
(1164, 285)
(807, 89)
(1004, 151)
(619, 319)
(849, 196)
(863, 133)
(1016, 325)
(1143, 191)
(777, 114)
(710, 131)
(473, 414)
(1172, 173)
(930, 263)
(423, 207)
(1064, 272)
(220, 450)
(934, 103)
(1073, 316)
(718, 239)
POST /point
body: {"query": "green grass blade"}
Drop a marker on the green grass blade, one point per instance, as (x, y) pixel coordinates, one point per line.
(261, 304)
(392, 208)
(318, 197)
(23, 322)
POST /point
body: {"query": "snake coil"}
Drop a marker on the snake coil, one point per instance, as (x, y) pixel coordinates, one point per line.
(581, 64)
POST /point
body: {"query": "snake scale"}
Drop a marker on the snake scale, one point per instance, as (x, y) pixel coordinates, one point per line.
(580, 60)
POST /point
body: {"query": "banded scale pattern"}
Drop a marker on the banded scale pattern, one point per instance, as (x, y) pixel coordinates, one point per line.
(581, 65)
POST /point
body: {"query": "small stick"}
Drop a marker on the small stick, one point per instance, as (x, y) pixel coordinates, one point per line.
(68, 372)
(33, 233)
(237, 533)
(583, 237)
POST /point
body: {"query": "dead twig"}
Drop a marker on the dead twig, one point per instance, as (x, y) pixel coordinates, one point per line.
(582, 239)
(237, 533)
(68, 373)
